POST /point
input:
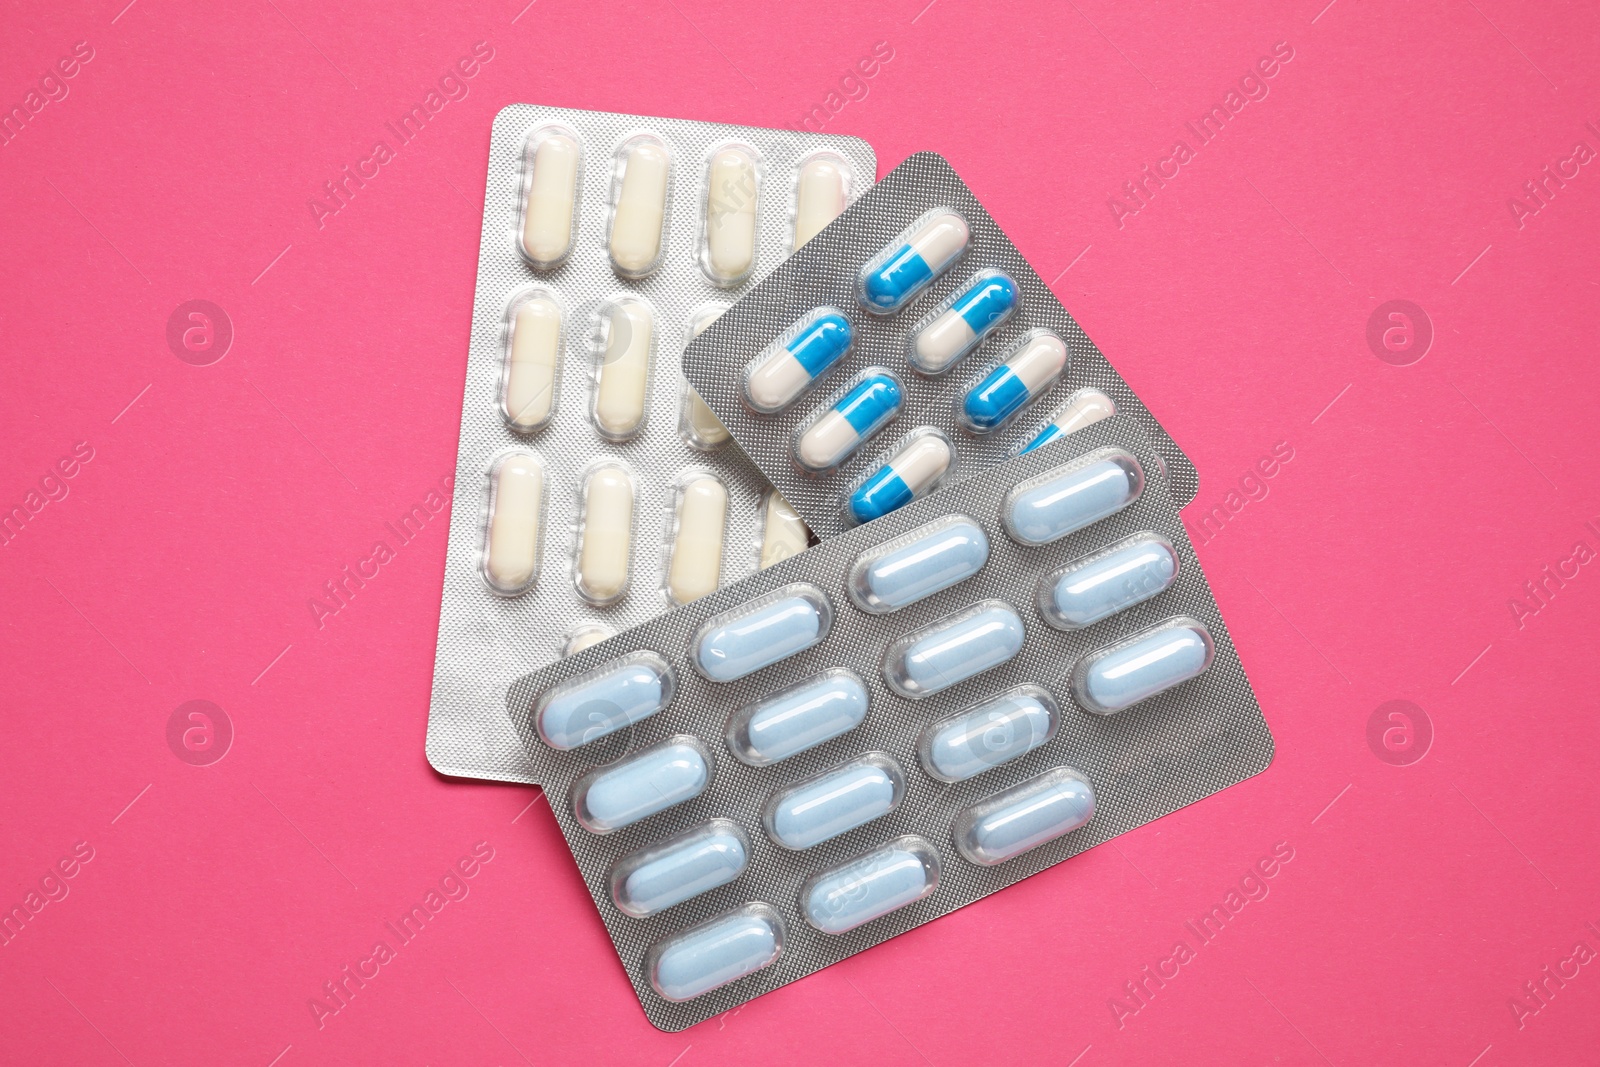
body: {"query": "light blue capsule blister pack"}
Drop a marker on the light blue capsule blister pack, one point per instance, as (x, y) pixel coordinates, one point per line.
(893, 724)
(906, 346)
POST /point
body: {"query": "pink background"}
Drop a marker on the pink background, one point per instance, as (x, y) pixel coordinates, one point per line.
(1380, 566)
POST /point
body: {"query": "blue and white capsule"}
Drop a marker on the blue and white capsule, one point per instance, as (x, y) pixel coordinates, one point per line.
(788, 366)
(909, 473)
(908, 264)
(1083, 408)
(989, 299)
(839, 431)
(1031, 368)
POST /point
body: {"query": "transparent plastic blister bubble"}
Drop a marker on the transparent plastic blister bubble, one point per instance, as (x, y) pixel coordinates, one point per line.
(890, 725)
(608, 242)
(925, 287)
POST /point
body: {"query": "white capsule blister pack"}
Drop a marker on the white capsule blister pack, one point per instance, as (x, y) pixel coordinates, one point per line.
(593, 489)
(908, 346)
(893, 724)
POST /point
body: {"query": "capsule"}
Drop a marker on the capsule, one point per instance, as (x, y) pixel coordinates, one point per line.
(532, 360)
(834, 802)
(1028, 371)
(797, 718)
(822, 189)
(906, 266)
(640, 173)
(650, 780)
(1072, 496)
(672, 871)
(581, 637)
(989, 733)
(1100, 585)
(978, 310)
(605, 536)
(732, 181)
(953, 649)
(762, 632)
(910, 472)
(551, 205)
(516, 506)
(859, 414)
(783, 534)
(867, 887)
(780, 374)
(615, 694)
(918, 564)
(1025, 816)
(709, 956)
(701, 515)
(1083, 408)
(697, 424)
(623, 370)
(1141, 666)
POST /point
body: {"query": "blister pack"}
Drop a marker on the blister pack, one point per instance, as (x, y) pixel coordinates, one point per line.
(908, 346)
(893, 724)
(593, 489)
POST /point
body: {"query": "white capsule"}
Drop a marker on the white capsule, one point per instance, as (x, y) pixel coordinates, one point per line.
(644, 163)
(783, 534)
(606, 536)
(730, 225)
(697, 546)
(698, 425)
(581, 637)
(511, 547)
(531, 364)
(624, 370)
(821, 192)
(552, 194)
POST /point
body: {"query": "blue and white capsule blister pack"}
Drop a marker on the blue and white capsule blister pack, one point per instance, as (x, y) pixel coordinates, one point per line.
(900, 720)
(908, 346)
(593, 488)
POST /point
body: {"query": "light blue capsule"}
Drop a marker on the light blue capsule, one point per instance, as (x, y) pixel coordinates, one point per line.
(797, 718)
(988, 734)
(890, 877)
(711, 955)
(842, 799)
(655, 878)
(954, 649)
(762, 632)
(594, 704)
(906, 266)
(1098, 586)
(1141, 666)
(1061, 501)
(1024, 817)
(918, 564)
(651, 780)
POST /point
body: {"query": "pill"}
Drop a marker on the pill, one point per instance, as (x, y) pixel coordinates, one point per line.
(987, 734)
(806, 351)
(643, 164)
(783, 534)
(511, 549)
(700, 427)
(909, 473)
(842, 799)
(581, 637)
(1141, 666)
(889, 877)
(530, 373)
(859, 414)
(623, 370)
(1031, 369)
(651, 780)
(1083, 408)
(986, 302)
(821, 191)
(1072, 496)
(552, 196)
(731, 182)
(918, 564)
(605, 538)
(906, 266)
(797, 718)
(711, 955)
(762, 632)
(1025, 816)
(655, 878)
(697, 543)
(615, 694)
(953, 649)
(1099, 585)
